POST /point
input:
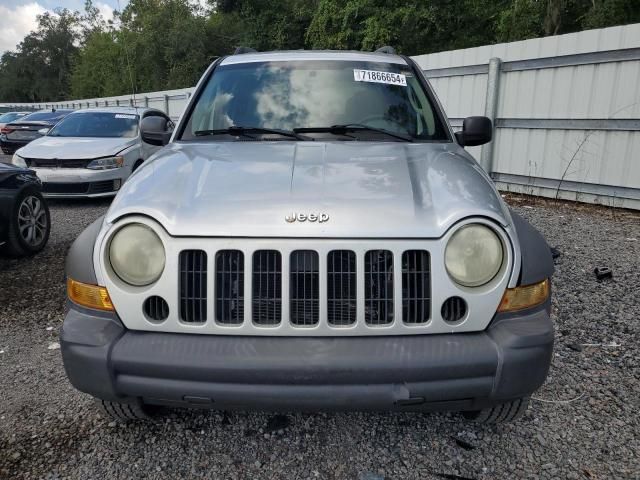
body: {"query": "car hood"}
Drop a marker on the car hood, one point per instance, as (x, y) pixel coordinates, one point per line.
(366, 190)
(74, 147)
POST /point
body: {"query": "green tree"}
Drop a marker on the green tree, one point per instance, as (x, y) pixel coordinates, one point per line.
(40, 69)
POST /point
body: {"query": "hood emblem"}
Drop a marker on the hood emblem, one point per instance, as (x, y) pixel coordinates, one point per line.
(307, 217)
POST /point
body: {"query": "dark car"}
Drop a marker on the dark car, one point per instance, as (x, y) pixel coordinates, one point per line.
(25, 222)
(18, 133)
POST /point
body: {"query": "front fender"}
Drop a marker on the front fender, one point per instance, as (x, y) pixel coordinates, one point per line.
(537, 262)
(79, 264)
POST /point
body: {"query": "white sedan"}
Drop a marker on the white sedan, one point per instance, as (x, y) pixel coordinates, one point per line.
(91, 152)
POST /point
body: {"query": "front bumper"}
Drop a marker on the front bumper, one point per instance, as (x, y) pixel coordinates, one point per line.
(462, 371)
(80, 182)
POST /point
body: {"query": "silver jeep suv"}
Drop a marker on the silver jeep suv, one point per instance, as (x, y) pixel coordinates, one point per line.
(313, 236)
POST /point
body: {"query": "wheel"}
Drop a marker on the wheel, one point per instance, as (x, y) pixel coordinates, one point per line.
(505, 412)
(29, 226)
(136, 165)
(123, 412)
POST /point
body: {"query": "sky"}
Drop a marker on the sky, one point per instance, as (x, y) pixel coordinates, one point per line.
(18, 17)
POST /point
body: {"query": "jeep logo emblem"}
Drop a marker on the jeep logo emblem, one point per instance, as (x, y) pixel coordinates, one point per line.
(304, 217)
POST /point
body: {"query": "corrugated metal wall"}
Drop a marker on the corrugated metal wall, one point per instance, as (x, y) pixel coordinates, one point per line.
(564, 79)
(567, 117)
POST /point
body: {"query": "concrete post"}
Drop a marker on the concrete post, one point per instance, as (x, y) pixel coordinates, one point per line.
(166, 104)
(491, 111)
(146, 101)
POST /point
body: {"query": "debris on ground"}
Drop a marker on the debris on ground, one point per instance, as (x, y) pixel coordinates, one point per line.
(603, 273)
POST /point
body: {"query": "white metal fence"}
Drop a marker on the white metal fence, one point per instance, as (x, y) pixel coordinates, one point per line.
(566, 111)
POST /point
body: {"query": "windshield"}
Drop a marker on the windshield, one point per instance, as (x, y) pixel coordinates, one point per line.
(10, 117)
(312, 94)
(97, 124)
(45, 116)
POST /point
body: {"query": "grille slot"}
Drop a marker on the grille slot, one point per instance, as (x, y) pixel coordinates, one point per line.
(416, 287)
(304, 284)
(230, 287)
(193, 286)
(266, 299)
(378, 287)
(341, 287)
(156, 308)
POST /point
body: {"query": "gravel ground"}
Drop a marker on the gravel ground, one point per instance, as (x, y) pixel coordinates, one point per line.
(591, 430)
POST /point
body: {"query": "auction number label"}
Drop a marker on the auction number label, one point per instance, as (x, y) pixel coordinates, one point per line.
(380, 77)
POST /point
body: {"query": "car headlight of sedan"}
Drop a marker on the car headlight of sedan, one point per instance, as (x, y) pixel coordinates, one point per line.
(474, 255)
(137, 255)
(18, 161)
(106, 163)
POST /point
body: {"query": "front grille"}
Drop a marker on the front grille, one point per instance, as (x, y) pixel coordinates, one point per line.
(304, 296)
(67, 188)
(79, 188)
(341, 287)
(56, 163)
(378, 287)
(230, 287)
(416, 287)
(193, 286)
(266, 297)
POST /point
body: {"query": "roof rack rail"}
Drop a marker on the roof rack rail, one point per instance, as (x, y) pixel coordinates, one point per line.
(386, 49)
(240, 50)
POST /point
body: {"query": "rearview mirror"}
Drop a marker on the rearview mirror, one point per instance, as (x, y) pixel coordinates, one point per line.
(475, 131)
(154, 131)
(43, 131)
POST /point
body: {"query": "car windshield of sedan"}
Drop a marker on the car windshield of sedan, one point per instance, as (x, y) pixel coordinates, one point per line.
(312, 97)
(10, 117)
(97, 125)
(45, 116)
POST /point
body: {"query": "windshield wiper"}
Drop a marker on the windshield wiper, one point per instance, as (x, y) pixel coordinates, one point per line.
(238, 130)
(352, 127)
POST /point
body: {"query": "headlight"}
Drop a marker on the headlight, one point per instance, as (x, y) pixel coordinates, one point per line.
(106, 163)
(18, 161)
(474, 255)
(137, 255)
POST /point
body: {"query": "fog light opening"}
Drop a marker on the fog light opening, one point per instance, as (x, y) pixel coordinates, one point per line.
(453, 309)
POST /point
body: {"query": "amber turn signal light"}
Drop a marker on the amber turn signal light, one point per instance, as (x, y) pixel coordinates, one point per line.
(523, 297)
(90, 296)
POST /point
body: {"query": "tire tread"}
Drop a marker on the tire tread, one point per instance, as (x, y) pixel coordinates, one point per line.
(505, 412)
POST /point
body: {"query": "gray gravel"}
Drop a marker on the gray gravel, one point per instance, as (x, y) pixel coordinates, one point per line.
(48, 430)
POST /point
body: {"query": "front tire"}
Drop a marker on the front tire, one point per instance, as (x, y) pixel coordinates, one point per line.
(505, 412)
(29, 225)
(123, 412)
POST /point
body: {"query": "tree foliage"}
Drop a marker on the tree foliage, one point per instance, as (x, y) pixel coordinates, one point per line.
(165, 44)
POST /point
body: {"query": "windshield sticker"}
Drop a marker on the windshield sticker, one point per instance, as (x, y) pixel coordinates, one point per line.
(380, 77)
(124, 115)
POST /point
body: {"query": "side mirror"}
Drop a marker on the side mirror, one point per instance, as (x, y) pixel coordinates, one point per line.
(43, 131)
(154, 131)
(475, 131)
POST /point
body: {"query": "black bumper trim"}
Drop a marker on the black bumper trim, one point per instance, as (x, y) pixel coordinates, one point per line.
(510, 359)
